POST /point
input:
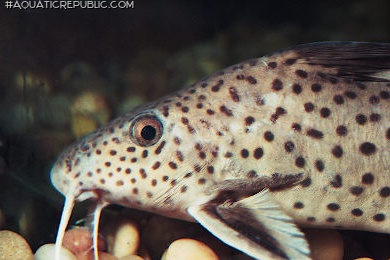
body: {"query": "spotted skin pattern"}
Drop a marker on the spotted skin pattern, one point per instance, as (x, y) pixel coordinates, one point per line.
(302, 134)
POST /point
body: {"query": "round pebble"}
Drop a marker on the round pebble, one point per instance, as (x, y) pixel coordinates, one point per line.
(14, 246)
(123, 238)
(325, 244)
(79, 240)
(47, 252)
(189, 249)
(89, 111)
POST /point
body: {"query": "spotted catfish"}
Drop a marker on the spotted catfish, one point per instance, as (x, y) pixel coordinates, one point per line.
(298, 138)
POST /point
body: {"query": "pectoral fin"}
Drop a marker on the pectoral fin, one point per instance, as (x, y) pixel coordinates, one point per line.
(255, 225)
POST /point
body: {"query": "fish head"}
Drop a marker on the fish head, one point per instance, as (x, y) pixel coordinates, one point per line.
(143, 159)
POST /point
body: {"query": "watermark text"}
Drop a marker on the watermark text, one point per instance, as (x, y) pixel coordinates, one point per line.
(68, 4)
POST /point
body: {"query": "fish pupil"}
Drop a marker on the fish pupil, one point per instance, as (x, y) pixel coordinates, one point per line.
(148, 132)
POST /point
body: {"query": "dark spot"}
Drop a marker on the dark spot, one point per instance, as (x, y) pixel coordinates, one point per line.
(217, 86)
(361, 86)
(251, 174)
(184, 120)
(269, 136)
(251, 80)
(290, 61)
(374, 100)
(98, 151)
(325, 112)
(149, 194)
(135, 191)
(319, 165)
(173, 183)
(249, 120)
(309, 107)
(379, 217)
(198, 146)
(297, 89)
(277, 85)
(210, 112)
(179, 156)
(337, 181)
(128, 171)
(384, 95)
(330, 220)
(131, 149)
(300, 162)
(133, 160)
(333, 206)
(165, 111)
(159, 147)
(338, 99)
(258, 153)
(298, 205)
(156, 165)
(301, 73)
(165, 178)
(297, 127)
(388, 133)
(183, 189)
(153, 182)
(199, 105)
(244, 153)
(361, 119)
(201, 97)
(315, 133)
(225, 110)
(185, 109)
(202, 181)
(289, 146)
(172, 165)
(316, 87)
(178, 104)
(107, 164)
(356, 190)
(210, 169)
(188, 174)
(272, 65)
(133, 180)
(367, 148)
(375, 117)
(197, 168)
(341, 130)
(143, 173)
(306, 182)
(350, 94)
(240, 77)
(337, 151)
(122, 159)
(368, 178)
(384, 192)
(228, 155)
(144, 153)
(234, 94)
(311, 219)
(357, 212)
(278, 112)
(202, 155)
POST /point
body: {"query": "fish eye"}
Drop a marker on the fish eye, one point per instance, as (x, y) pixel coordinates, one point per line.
(146, 130)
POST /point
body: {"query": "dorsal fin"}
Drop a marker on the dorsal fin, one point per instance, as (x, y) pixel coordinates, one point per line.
(358, 61)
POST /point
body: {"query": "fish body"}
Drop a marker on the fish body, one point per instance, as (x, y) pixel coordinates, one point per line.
(299, 138)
